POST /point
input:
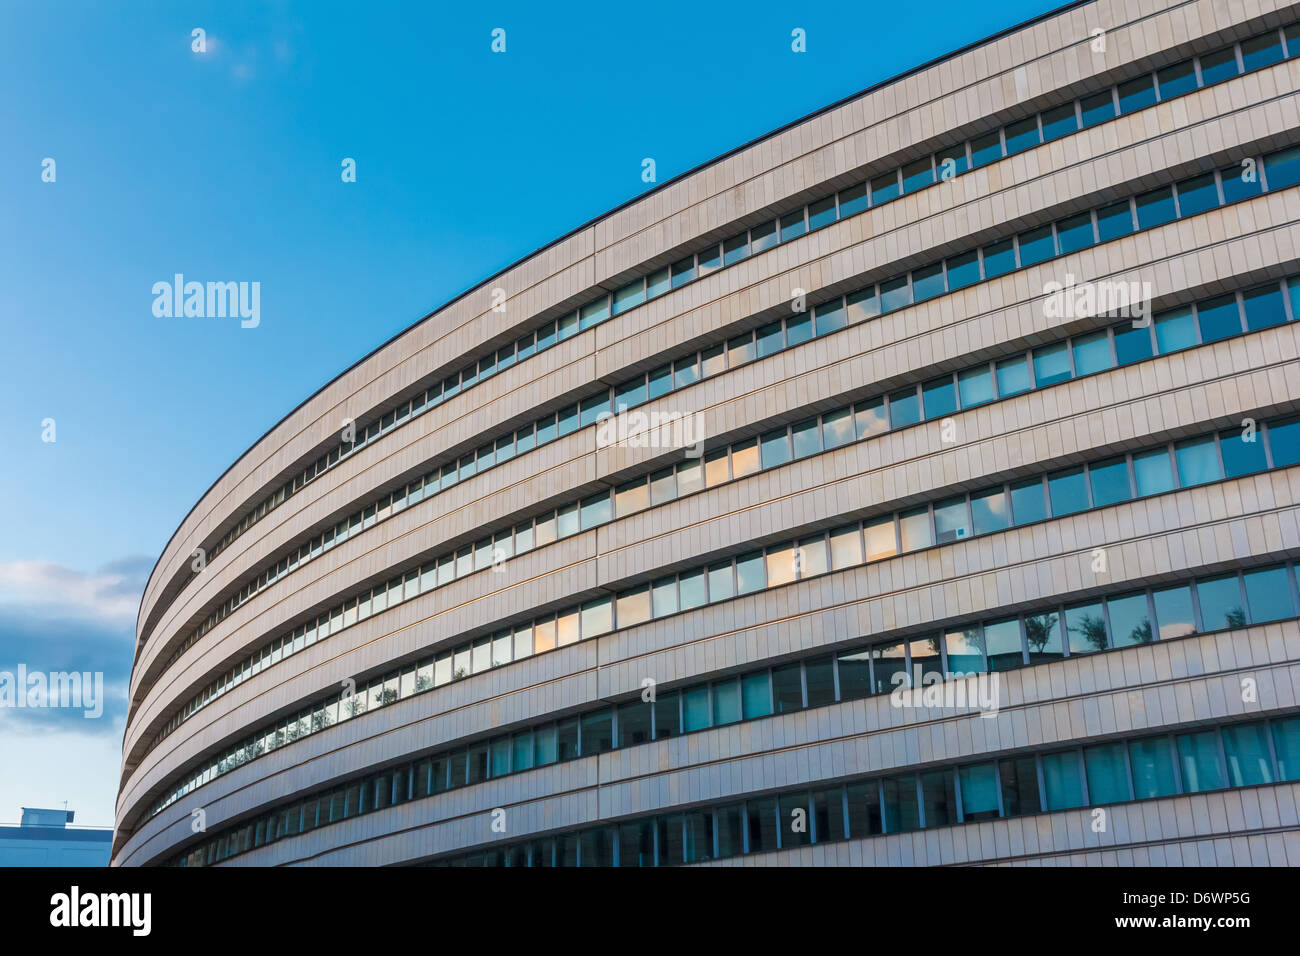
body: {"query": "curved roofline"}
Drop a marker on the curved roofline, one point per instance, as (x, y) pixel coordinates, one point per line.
(875, 87)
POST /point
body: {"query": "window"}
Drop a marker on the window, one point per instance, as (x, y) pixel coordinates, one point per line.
(792, 225)
(1013, 376)
(986, 149)
(1107, 773)
(1175, 330)
(1059, 122)
(1241, 181)
(979, 792)
(1086, 625)
(853, 200)
(999, 258)
(846, 547)
(798, 330)
(1177, 79)
(951, 520)
(770, 339)
(775, 448)
(895, 294)
(1261, 51)
(1043, 635)
(1022, 135)
(683, 271)
(1002, 644)
(862, 305)
(1136, 94)
(1284, 440)
(1246, 748)
(940, 397)
(762, 238)
(870, 418)
(837, 428)
(1174, 614)
(1219, 318)
(1264, 307)
(821, 213)
(1130, 623)
(1075, 233)
(1132, 344)
(1036, 246)
(917, 175)
(1243, 453)
(1152, 762)
(1114, 221)
(1221, 604)
(1098, 108)
(963, 270)
(904, 408)
(975, 386)
(915, 530)
(1155, 208)
(965, 649)
(787, 688)
(928, 282)
(1051, 364)
(1198, 756)
(735, 249)
(989, 511)
(881, 539)
(855, 674)
(1062, 780)
(726, 702)
(831, 317)
(1198, 462)
(630, 295)
(1091, 353)
(750, 575)
(1218, 66)
(756, 695)
(884, 188)
(1109, 480)
(1197, 195)
(1028, 503)
(1268, 594)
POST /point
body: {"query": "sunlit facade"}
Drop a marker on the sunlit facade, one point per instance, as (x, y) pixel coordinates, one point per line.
(966, 534)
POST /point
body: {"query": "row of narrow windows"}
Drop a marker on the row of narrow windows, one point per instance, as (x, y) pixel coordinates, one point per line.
(1097, 484)
(1226, 63)
(1209, 321)
(1198, 323)
(1139, 768)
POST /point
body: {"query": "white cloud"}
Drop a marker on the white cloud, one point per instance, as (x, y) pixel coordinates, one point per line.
(110, 595)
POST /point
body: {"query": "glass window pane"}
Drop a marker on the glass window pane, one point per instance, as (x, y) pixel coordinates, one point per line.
(1261, 51)
(756, 693)
(1283, 168)
(965, 647)
(792, 225)
(881, 538)
(1264, 306)
(999, 258)
(1218, 66)
(1155, 208)
(884, 188)
(1220, 600)
(1130, 621)
(1036, 246)
(986, 148)
(819, 677)
(775, 448)
(975, 386)
(861, 305)
(1106, 766)
(855, 674)
(895, 294)
(1198, 461)
(1028, 503)
(1152, 760)
(1241, 181)
(889, 665)
(830, 317)
(1198, 757)
(989, 511)
(770, 339)
(821, 213)
(1286, 744)
(928, 282)
(963, 270)
(1098, 108)
(1245, 746)
(1243, 453)
(1068, 490)
(1136, 94)
(1153, 471)
(1174, 614)
(750, 575)
(837, 428)
(1013, 376)
(1062, 780)
(695, 708)
(1197, 195)
(915, 529)
(853, 200)
(951, 520)
(846, 547)
(1091, 353)
(1002, 644)
(1109, 481)
(1284, 442)
(1086, 625)
(1076, 232)
(904, 408)
(940, 397)
(1019, 786)
(787, 688)
(940, 798)
(979, 792)
(726, 702)
(1043, 635)
(917, 175)
(1219, 318)
(806, 438)
(1114, 221)
(870, 418)
(1132, 344)
(1268, 594)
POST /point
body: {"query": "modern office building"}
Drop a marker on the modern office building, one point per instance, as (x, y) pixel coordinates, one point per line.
(48, 838)
(990, 370)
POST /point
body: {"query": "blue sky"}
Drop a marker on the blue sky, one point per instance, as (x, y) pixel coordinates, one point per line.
(226, 166)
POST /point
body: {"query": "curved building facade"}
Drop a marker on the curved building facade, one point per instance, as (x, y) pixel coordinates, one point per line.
(917, 484)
